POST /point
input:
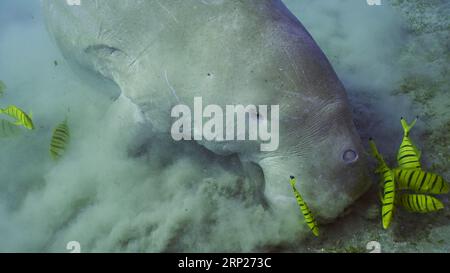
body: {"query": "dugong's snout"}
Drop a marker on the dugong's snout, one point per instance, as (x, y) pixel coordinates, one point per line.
(341, 183)
(331, 174)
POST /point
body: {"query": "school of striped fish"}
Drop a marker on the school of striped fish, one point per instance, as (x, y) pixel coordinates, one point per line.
(14, 117)
(414, 185)
(407, 185)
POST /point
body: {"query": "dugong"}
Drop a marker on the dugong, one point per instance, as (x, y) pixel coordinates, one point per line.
(228, 52)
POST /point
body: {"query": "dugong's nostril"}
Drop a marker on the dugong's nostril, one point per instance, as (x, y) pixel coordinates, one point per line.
(349, 156)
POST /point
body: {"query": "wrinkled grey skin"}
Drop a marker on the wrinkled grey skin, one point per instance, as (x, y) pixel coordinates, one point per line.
(161, 53)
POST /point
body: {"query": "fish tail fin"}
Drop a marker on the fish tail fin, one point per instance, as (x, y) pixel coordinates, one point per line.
(407, 127)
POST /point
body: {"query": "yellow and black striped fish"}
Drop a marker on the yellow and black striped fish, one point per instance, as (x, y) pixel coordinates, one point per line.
(60, 140)
(21, 118)
(309, 218)
(420, 203)
(408, 156)
(388, 180)
(420, 181)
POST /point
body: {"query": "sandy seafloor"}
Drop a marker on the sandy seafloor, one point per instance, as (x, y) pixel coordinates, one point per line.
(393, 60)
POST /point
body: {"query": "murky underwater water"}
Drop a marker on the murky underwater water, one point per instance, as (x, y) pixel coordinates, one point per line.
(121, 188)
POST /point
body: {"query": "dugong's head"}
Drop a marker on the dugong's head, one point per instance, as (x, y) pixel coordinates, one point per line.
(228, 52)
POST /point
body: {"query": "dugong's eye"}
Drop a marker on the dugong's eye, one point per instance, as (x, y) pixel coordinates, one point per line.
(349, 156)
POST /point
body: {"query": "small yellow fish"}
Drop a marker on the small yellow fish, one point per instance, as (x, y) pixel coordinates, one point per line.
(388, 180)
(60, 140)
(408, 156)
(420, 181)
(21, 118)
(420, 203)
(309, 218)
